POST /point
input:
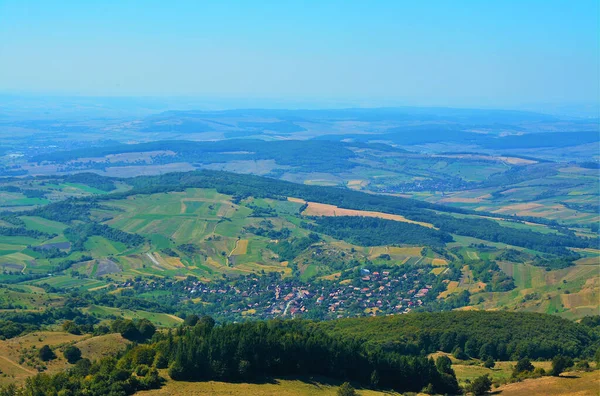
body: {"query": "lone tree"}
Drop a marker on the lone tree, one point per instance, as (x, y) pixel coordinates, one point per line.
(72, 354)
(346, 390)
(481, 385)
(559, 364)
(523, 365)
(489, 363)
(46, 354)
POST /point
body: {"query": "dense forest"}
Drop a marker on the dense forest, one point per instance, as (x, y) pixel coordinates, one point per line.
(500, 335)
(372, 231)
(380, 353)
(332, 157)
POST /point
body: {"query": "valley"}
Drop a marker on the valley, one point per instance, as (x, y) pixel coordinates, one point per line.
(386, 248)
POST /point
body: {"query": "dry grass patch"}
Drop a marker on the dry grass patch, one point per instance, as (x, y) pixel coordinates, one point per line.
(101, 346)
(280, 387)
(573, 384)
(319, 209)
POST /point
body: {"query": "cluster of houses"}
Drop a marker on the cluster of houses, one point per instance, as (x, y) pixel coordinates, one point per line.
(367, 293)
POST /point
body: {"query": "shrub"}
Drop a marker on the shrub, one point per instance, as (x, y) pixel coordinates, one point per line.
(523, 365)
(72, 354)
(489, 363)
(443, 365)
(481, 385)
(459, 354)
(46, 354)
(559, 364)
(346, 390)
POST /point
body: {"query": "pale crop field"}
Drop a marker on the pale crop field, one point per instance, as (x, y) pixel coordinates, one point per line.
(319, 209)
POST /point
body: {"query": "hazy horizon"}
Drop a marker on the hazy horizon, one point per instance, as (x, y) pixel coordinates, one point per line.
(536, 55)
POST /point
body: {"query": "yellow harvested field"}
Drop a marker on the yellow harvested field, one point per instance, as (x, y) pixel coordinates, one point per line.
(241, 247)
(451, 288)
(160, 262)
(438, 270)
(296, 200)
(522, 206)
(318, 209)
(174, 262)
(332, 277)
(211, 262)
(439, 262)
(408, 251)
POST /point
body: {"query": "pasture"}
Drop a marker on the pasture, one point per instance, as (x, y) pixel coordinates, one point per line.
(275, 387)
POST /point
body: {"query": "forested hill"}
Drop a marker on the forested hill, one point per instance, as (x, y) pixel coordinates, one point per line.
(394, 359)
(330, 157)
(242, 186)
(480, 334)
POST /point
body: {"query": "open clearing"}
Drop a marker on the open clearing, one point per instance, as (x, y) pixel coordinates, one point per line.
(573, 384)
(279, 387)
(319, 209)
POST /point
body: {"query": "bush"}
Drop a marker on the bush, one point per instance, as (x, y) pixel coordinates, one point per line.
(489, 363)
(146, 329)
(346, 390)
(459, 354)
(191, 320)
(46, 354)
(444, 365)
(523, 365)
(70, 327)
(72, 354)
(481, 385)
(559, 364)
(582, 365)
(141, 370)
(161, 361)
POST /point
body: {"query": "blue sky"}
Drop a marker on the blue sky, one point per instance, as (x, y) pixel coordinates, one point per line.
(444, 53)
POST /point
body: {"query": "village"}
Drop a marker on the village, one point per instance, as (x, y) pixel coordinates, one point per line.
(361, 292)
